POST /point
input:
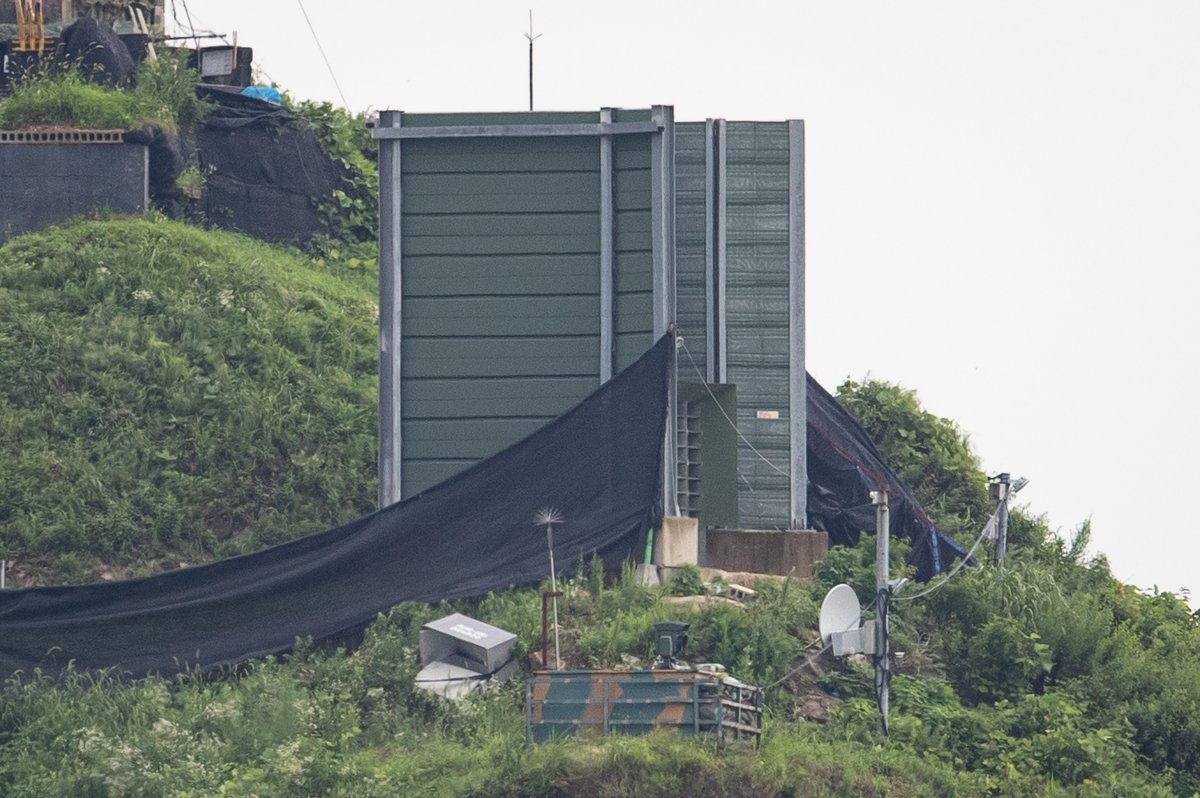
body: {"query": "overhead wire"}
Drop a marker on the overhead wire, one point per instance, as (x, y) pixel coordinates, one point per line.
(191, 28)
(812, 658)
(965, 558)
(703, 381)
(328, 66)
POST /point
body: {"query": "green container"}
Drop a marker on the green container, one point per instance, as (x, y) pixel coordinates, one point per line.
(593, 703)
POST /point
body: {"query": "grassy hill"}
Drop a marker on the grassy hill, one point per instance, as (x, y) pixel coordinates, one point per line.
(170, 394)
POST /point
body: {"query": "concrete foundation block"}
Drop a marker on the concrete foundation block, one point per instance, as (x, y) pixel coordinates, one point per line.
(678, 542)
(766, 552)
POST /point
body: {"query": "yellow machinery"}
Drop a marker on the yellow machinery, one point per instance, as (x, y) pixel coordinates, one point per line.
(31, 27)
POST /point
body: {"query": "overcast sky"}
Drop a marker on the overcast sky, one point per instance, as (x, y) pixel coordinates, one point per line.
(1003, 198)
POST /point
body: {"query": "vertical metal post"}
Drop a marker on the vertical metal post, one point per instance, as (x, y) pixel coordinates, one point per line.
(710, 251)
(3, 572)
(797, 377)
(390, 271)
(722, 250)
(1002, 488)
(883, 676)
(607, 248)
(662, 222)
(714, 247)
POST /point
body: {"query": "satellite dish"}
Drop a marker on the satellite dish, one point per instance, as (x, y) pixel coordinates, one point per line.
(840, 612)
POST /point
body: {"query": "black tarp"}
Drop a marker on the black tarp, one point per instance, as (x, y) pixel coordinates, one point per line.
(599, 464)
(843, 468)
(96, 50)
(266, 172)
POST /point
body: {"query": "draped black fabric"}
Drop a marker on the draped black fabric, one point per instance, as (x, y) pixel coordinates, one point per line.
(599, 464)
(843, 468)
(266, 174)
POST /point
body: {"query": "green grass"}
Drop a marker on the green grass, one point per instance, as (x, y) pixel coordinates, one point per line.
(168, 393)
(163, 95)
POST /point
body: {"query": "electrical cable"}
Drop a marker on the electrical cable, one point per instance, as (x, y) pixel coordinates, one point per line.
(812, 658)
(732, 423)
(192, 29)
(965, 558)
(328, 66)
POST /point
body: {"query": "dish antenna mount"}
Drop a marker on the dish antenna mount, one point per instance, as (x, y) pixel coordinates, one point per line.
(841, 623)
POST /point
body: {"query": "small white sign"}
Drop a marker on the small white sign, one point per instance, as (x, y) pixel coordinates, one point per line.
(770, 415)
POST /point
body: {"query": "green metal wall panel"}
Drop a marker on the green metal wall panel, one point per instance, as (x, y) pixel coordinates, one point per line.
(500, 297)
(756, 302)
(633, 259)
(692, 214)
(738, 271)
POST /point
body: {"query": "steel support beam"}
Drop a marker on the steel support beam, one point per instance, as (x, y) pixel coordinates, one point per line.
(390, 444)
(662, 225)
(798, 397)
(511, 131)
(607, 248)
(720, 244)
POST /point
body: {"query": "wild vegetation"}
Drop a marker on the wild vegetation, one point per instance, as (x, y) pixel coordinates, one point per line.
(202, 395)
(163, 95)
(172, 394)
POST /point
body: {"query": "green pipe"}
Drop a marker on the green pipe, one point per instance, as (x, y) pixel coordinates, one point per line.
(649, 545)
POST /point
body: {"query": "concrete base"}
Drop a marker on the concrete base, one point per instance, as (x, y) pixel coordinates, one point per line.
(678, 542)
(766, 552)
(647, 575)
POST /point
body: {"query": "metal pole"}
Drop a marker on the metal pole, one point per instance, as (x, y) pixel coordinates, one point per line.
(531, 39)
(390, 284)
(554, 594)
(1002, 484)
(883, 676)
(3, 572)
(797, 382)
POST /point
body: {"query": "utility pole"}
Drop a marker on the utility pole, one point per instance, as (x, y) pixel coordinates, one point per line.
(1002, 488)
(883, 594)
(531, 39)
(999, 490)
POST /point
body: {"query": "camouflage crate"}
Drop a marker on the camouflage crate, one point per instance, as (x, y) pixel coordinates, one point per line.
(591, 703)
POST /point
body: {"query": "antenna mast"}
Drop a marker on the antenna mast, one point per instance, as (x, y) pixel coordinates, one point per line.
(531, 39)
(883, 597)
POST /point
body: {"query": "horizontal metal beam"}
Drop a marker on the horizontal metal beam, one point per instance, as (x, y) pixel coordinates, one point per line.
(529, 131)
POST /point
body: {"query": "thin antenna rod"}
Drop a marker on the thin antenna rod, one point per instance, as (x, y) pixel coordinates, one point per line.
(531, 39)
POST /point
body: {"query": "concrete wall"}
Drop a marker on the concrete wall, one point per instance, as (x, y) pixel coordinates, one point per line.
(761, 552)
(44, 183)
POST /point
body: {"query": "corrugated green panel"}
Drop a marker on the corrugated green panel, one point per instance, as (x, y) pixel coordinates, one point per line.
(500, 253)
(691, 214)
(540, 315)
(529, 201)
(635, 307)
(420, 475)
(476, 275)
(518, 192)
(498, 397)
(635, 282)
(757, 306)
(500, 357)
(493, 225)
(563, 154)
(464, 438)
(502, 245)
(633, 304)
